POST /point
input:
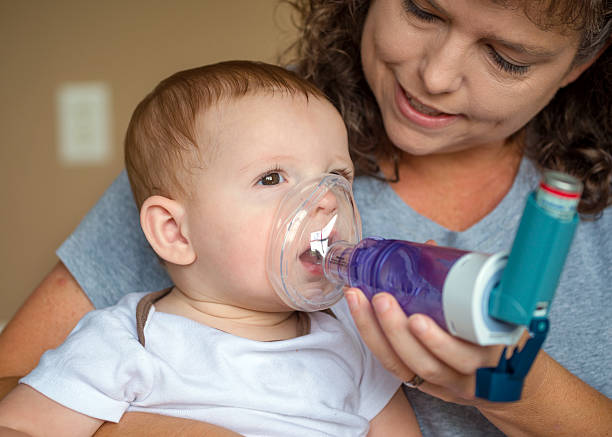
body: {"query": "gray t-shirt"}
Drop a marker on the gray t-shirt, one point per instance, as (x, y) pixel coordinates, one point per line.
(109, 257)
(580, 336)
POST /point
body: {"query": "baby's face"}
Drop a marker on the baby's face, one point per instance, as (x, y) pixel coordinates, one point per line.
(262, 146)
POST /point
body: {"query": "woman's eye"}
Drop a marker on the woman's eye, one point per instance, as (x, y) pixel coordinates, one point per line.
(272, 178)
(505, 65)
(419, 13)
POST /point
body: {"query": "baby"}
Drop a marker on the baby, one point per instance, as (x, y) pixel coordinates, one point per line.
(210, 154)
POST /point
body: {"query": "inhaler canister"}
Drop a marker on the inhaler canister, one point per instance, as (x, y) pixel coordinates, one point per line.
(529, 281)
(539, 250)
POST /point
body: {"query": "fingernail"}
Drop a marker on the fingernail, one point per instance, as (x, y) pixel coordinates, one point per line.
(419, 325)
(351, 299)
(381, 304)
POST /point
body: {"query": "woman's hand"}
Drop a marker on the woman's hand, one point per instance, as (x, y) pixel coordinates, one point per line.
(553, 402)
(417, 345)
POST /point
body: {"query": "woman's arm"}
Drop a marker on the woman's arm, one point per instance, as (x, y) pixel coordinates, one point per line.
(554, 402)
(397, 418)
(7, 384)
(28, 411)
(43, 322)
(152, 425)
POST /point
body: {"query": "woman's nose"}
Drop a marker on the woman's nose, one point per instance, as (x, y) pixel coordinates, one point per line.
(441, 67)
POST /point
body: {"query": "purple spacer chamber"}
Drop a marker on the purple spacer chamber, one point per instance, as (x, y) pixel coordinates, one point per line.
(412, 272)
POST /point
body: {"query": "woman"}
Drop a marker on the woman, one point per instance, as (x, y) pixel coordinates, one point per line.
(452, 107)
(448, 99)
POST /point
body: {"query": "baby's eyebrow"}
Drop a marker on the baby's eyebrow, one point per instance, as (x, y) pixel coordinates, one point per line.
(272, 160)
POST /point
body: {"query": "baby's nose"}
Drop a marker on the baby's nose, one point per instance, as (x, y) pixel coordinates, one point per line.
(328, 203)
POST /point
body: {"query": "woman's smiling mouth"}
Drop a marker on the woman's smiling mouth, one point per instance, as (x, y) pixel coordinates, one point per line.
(419, 113)
(427, 110)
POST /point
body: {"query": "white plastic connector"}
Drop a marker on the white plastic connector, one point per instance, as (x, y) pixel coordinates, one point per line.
(319, 240)
(465, 299)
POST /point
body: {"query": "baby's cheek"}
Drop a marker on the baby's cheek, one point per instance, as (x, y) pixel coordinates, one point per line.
(246, 257)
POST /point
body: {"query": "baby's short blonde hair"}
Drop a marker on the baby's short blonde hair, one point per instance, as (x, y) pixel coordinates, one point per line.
(161, 143)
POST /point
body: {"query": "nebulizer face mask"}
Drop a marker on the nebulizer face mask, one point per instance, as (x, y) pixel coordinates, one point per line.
(312, 216)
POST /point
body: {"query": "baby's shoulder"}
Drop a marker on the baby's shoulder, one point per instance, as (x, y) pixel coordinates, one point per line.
(115, 320)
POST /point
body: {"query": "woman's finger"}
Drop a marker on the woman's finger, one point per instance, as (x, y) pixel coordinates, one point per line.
(373, 336)
(463, 356)
(414, 354)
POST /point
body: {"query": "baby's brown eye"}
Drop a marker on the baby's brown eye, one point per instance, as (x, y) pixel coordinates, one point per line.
(271, 179)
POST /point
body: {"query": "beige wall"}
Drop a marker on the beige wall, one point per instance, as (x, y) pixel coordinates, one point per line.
(131, 45)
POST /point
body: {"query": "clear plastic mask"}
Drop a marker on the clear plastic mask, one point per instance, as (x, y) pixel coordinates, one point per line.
(311, 217)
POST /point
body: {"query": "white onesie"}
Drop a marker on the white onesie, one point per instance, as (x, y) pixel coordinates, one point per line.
(323, 383)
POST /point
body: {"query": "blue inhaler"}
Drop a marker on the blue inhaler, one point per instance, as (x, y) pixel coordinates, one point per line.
(487, 299)
(530, 279)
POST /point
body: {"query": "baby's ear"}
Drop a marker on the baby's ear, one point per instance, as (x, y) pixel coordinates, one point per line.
(163, 223)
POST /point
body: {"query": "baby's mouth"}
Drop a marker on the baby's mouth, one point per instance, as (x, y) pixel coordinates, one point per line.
(312, 261)
(311, 257)
(320, 240)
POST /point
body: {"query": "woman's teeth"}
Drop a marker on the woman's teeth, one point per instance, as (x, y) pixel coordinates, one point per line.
(422, 108)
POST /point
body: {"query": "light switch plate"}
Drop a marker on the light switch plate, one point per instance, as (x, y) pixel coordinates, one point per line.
(84, 123)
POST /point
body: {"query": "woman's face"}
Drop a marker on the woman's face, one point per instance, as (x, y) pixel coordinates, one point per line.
(454, 74)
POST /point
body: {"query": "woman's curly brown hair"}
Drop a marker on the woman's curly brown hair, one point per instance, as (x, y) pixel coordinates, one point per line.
(572, 134)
